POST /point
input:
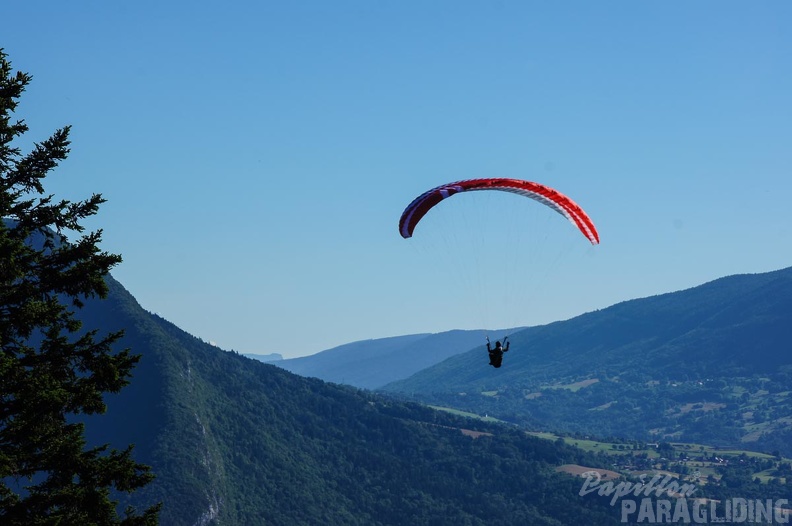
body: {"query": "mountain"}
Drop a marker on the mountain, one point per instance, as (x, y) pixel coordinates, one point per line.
(371, 364)
(234, 441)
(266, 358)
(711, 362)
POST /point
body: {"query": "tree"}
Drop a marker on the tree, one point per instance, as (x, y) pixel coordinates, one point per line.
(51, 369)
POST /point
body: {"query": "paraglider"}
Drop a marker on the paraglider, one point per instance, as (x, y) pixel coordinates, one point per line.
(496, 353)
(545, 195)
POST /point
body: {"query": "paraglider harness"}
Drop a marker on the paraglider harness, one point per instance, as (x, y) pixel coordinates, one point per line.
(496, 354)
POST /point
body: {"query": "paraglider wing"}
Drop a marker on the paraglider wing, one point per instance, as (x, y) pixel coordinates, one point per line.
(541, 193)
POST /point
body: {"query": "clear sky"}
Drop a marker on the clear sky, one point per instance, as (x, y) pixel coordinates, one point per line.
(256, 156)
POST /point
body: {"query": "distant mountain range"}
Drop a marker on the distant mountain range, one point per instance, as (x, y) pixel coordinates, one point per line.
(374, 363)
(266, 358)
(710, 363)
(733, 324)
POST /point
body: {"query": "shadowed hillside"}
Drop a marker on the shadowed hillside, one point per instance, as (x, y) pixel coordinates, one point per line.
(235, 442)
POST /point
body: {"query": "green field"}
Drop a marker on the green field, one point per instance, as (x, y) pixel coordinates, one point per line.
(698, 455)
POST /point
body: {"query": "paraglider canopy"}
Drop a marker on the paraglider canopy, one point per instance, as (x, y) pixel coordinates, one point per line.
(541, 193)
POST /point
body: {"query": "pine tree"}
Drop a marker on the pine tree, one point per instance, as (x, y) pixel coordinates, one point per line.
(51, 369)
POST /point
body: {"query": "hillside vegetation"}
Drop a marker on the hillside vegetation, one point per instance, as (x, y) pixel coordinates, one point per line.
(236, 441)
(710, 364)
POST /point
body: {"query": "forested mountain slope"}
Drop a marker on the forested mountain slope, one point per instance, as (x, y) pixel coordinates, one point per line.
(236, 441)
(710, 363)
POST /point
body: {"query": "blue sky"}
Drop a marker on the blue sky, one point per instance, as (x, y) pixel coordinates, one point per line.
(256, 156)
